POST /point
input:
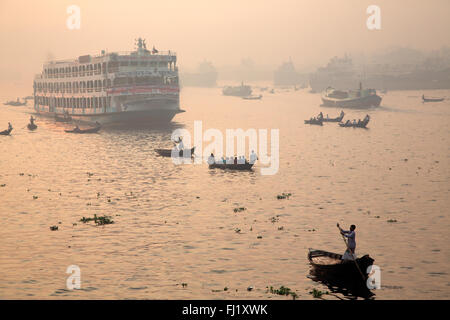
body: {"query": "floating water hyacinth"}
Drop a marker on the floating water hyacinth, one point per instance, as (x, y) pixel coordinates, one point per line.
(102, 220)
(239, 209)
(284, 196)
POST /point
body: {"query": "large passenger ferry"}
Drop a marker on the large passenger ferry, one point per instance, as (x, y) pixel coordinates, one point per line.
(137, 86)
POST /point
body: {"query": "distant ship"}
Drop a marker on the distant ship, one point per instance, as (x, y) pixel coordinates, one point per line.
(137, 86)
(339, 73)
(16, 103)
(357, 99)
(238, 91)
(286, 75)
(206, 76)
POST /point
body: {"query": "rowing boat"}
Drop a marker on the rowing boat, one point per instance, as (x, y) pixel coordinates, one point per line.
(329, 267)
(168, 152)
(231, 166)
(318, 122)
(6, 132)
(432, 99)
(31, 126)
(90, 130)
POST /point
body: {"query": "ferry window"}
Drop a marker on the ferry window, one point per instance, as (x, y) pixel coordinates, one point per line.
(134, 63)
(124, 63)
(143, 63)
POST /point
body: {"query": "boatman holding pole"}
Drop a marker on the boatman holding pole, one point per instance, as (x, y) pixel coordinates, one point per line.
(351, 243)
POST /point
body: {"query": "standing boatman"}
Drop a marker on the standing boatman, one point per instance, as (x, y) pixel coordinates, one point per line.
(351, 243)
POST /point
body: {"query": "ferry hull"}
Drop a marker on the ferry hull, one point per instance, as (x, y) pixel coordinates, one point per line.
(360, 103)
(152, 112)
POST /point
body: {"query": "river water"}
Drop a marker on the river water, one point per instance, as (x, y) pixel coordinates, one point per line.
(175, 224)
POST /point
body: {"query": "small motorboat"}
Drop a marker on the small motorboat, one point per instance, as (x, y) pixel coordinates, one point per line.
(6, 132)
(330, 268)
(31, 126)
(231, 166)
(168, 152)
(89, 130)
(315, 121)
(338, 119)
(431, 99)
(16, 103)
(359, 124)
(253, 97)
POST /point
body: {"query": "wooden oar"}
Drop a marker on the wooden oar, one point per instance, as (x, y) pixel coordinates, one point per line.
(354, 255)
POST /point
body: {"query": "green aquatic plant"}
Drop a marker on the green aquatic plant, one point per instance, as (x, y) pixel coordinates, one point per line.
(102, 220)
(284, 196)
(283, 291)
(54, 228)
(392, 220)
(317, 293)
(239, 209)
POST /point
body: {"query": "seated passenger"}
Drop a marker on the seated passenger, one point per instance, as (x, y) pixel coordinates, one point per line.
(211, 159)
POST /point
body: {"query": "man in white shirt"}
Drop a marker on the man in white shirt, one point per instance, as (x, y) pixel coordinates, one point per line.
(253, 157)
(211, 159)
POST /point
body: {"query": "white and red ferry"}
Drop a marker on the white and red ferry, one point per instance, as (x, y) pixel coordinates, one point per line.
(137, 86)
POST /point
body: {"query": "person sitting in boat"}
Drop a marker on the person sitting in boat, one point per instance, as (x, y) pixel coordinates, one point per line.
(241, 160)
(253, 157)
(354, 122)
(31, 120)
(320, 116)
(211, 159)
(9, 126)
(235, 160)
(97, 123)
(77, 129)
(180, 144)
(351, 244)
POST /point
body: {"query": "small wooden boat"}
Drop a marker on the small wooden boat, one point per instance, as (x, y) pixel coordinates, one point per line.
(360, 124)
(231, 166)
(253, 97)
(331, 265)
(338, 119)
(31, 126)
(90, 130)
(328, 267)
(168, 152)
(6, 132)
(318, 122)
(432, 99)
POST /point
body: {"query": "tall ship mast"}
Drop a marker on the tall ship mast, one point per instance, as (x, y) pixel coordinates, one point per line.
(136, 86)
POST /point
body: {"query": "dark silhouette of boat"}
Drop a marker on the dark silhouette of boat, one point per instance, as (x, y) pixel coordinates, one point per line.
(231, 166)
(6, 132)
(31, 126)
(253, 97)
(356, 99)
(431, 99)
(16, 103)
(168, 152)
(328, 267)
(238, 91)
(315, 121)
(89, 130)
(359, 124)
(338, 119)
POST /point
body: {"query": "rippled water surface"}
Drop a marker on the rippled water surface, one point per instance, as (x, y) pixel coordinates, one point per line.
(176, 224)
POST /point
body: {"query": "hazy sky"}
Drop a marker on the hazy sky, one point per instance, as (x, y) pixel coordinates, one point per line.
(268, 31)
